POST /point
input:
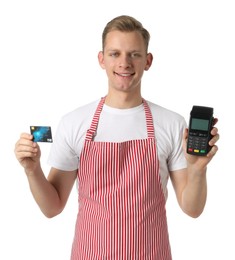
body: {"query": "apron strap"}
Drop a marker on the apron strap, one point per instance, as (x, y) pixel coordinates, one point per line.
(94, 123)
(91, 133)
(149, 120)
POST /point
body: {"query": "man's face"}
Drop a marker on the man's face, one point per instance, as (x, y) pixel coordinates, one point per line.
(124, 58)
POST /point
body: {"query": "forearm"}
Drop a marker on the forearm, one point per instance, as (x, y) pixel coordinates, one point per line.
(194, 194)
(44, 193)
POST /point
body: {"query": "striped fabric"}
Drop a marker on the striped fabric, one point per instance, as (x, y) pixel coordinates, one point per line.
(121, 203)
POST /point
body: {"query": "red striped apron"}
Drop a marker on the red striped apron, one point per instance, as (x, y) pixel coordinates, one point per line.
(121, 203)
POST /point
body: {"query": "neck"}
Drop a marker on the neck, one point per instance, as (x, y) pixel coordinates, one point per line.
(123, 100)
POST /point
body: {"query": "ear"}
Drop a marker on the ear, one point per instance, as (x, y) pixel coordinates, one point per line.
(149, 61)
(101, 59)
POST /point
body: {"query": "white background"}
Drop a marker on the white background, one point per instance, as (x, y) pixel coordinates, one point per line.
(48, 66)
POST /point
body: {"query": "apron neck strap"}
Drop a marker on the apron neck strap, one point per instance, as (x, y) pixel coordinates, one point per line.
(91, 133)
(95, 121)
(149, 120)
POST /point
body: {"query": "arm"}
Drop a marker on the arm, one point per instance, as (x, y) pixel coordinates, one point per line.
(191, 190)
(190, 184)
(51, 194)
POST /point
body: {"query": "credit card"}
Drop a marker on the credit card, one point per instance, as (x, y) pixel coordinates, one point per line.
(41, 134)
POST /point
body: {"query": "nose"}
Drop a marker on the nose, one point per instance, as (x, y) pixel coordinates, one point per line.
(125, 61)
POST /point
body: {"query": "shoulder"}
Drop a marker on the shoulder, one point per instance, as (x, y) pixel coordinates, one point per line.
(165, 115)
(77, 121)
(81, 113)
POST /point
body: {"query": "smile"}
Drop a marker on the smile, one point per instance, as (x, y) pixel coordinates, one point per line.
(124, 74)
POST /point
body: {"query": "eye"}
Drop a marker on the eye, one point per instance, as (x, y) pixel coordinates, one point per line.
(114, 54)
(135, 55)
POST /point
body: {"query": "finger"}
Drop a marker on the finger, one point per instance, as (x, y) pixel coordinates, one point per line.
(213, 151)
(26, 136)
(25, 148)
(214, 130)
(185, 137)
(185, 134)
(214, 140)
(26, 140)
(23, 155)
(25, 151)
(215, 121)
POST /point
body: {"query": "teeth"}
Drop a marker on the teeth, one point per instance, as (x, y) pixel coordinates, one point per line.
(125, 74)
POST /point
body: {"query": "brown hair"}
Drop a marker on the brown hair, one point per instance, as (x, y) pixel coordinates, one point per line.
(125, 23)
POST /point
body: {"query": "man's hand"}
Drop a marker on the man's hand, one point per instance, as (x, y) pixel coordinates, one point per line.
(200, 162)
(28, 153)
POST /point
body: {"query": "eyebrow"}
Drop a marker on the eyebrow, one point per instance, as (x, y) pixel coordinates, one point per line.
(117, 50)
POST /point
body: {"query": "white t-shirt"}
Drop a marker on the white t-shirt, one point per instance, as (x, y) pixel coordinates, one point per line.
(119, 125)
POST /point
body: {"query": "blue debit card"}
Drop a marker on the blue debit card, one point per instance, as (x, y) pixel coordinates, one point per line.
(41, 134)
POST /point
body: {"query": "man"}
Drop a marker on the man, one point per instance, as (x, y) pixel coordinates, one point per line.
(122, 149)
